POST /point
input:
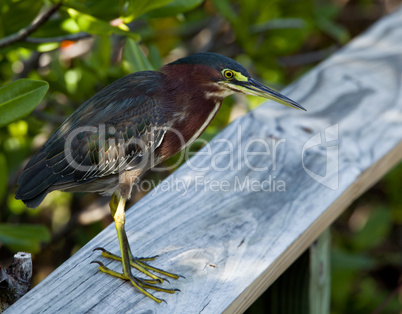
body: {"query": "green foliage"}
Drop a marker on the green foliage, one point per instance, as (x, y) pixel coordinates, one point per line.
(135, 58)
(11, 12)
(375, 230)
(3, 176)
(19, 98)
(324, 18)
(101, 9)
(174, 7)
(134, 8)
(95, 26)
(27, 238)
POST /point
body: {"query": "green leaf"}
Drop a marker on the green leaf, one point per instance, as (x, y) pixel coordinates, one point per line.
(135, 8)
(350, 261)
(376, 230)
(224, 8)
(175, 7)
(3, 176)
(99, 60)
(24, 237)
(47, 47)
(56, 27)
(325, 21)
(93, 25)
(19, 98)
(12, 11)
(154, 56)
(103, 9)
(135, 58)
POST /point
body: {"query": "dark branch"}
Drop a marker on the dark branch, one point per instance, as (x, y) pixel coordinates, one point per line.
(25, 32)
(72, 37)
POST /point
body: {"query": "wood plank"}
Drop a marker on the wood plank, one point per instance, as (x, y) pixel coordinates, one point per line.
(232, 243)
(320, 274)
(304, 287)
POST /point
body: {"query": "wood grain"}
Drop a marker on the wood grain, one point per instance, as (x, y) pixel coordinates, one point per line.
(232, 244)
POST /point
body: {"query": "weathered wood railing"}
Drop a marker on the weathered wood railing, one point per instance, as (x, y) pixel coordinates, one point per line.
(231, 241)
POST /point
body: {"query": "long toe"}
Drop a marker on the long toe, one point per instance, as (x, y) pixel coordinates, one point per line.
(154, 269)
(139, 283)
(140, 264)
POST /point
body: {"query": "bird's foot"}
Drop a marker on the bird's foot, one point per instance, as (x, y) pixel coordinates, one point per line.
(139, 283)
(140, 263)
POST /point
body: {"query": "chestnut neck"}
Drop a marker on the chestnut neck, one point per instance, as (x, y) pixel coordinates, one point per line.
(191, 81)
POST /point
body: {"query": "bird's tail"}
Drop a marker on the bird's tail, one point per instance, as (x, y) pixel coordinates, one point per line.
(34, 181)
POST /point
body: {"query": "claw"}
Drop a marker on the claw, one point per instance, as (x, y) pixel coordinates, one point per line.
(99, 249)
(97, 262)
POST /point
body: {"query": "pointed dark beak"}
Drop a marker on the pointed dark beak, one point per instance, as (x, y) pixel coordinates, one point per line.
(253, 87)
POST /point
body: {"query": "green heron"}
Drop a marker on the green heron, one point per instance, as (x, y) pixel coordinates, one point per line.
(127, 128)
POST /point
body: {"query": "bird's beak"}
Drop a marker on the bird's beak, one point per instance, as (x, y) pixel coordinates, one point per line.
(253, 87)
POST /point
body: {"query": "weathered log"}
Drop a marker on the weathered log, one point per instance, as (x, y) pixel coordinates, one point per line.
(15, 281)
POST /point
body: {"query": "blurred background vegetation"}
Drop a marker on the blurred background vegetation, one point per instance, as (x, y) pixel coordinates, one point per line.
(83, 45)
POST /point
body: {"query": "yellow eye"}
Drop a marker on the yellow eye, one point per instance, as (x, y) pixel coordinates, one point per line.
(228, 74)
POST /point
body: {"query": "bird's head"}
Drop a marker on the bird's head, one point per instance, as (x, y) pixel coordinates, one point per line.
(221, 76)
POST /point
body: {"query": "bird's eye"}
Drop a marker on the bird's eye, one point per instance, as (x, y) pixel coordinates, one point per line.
(228, 74)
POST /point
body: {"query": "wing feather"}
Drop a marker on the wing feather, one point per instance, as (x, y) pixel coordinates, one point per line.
(108, 134)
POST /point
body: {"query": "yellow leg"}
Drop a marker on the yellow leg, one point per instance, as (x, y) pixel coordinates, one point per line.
(117, 205)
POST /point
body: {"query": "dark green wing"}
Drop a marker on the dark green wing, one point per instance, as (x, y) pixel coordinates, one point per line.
(116, 130)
